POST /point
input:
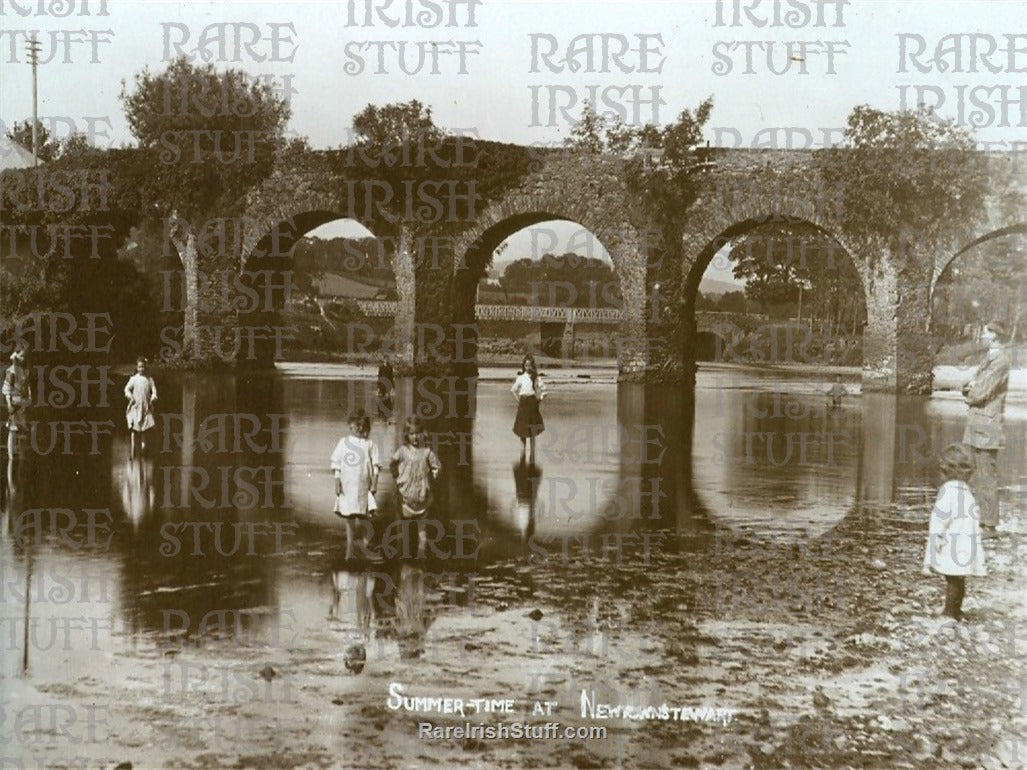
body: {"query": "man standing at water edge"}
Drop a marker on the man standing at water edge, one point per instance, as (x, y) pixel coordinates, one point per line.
(986, 396)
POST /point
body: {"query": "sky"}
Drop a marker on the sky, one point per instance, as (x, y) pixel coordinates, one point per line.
(503, 69)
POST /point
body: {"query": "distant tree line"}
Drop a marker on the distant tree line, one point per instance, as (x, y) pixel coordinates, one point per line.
(569, 280)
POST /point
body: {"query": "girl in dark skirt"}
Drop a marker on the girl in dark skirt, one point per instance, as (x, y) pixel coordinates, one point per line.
(529, 392)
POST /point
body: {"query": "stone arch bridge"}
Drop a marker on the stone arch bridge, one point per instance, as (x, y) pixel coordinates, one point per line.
(438, 266)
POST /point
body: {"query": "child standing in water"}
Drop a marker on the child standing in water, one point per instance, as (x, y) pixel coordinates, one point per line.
(355, 464)
(529, 392)
(415, 466)
(141, 392)
(954, 547)
(837, 391)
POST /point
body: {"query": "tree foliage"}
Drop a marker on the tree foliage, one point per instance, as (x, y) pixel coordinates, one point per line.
(207, 136)
(396, 126)
(49, 145)
(906, 174)
(360, 259)
(785, 263)
(663, 167)
(575, 280)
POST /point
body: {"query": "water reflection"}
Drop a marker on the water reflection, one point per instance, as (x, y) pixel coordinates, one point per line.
(412, 613)
(351, 596)
(775, 461)
(225, 530)
(527, 479)
(134, 480)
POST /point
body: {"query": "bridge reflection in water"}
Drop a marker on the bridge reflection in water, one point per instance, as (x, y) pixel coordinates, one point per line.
(230, 517)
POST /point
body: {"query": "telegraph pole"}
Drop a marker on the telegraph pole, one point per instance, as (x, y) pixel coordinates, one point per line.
(32, 45)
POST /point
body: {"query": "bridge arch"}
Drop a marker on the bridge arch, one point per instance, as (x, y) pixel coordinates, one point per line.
(572, 191)
(990, 232)
(275, 222)
(756, 188)
(954, 303)
(697, 339)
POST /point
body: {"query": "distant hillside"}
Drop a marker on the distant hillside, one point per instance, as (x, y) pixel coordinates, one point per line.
(711, 287)
(335, 285)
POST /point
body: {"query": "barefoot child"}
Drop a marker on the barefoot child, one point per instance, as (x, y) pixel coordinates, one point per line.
(355, 464)
(954, 547)
(415, 466)
(141, 392)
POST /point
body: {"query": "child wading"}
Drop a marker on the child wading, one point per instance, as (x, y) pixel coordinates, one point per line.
(356, 464)
(529, 392)
(836, 393)
(141, 392)
(954, 547)
(415, 466)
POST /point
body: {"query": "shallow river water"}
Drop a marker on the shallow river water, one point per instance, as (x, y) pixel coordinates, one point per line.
(175, 577)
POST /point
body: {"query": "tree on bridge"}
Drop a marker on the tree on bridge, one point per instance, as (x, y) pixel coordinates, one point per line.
(664, 169)
(205, 139)
(908, 180)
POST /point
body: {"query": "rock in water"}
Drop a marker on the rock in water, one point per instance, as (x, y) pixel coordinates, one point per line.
(355, 658)
(820, 700)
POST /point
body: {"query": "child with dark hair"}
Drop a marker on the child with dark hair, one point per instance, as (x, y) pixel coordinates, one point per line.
(355, 464)
(954, 547)
(529, 392)
(415, 466)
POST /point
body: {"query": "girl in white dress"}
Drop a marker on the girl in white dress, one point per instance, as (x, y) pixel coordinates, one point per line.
(141, 392)
(355, 464)
(954, 546)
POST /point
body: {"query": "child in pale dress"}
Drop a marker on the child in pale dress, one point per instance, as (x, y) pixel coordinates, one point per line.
(141, 392)
(415, 467)
(954, 546)
(356, 464)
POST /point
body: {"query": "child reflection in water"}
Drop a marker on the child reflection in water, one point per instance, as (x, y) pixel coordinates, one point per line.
(353, 590)
(527, 480)
(137, 495)
(412, 615)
